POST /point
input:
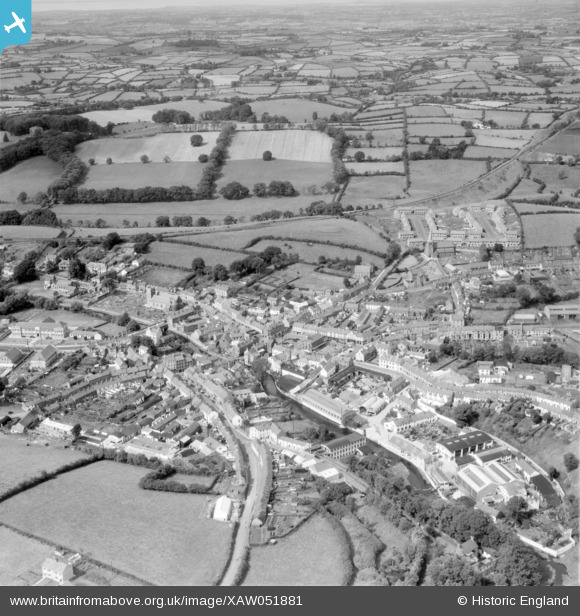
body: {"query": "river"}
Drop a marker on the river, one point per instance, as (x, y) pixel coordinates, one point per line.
(415, 478)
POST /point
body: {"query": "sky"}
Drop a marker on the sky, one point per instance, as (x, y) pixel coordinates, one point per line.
(71, 5)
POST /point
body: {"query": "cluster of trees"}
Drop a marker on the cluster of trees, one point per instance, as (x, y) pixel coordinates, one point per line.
(272, 215)
(272, 256)
(195, 43)
(21, 124)
(175, 116)
(159, 480)
(517, 564)
(181, 221)
(262, 508)
(142, 241)
(276, 188)
(234, 191)
(11, 301)
(437, 150)
(266, 118)
(237, 111)
(40, 217)
(217, 158)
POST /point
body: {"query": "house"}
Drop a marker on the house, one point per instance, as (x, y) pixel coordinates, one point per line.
(11, 358)
(407, 423)
(363, 271)
(344, 446)
(42, 359)
(222, 509)
(55, 429)
(26, 423)
(57, 570)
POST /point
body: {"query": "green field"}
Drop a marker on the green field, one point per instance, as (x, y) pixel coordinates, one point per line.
(431, 177)
(138, 175)
(310, 556)
(166, 253)
(371, 189)
(295, 109)
(20, 461)
(19, 556)
(550, 229)
(31, 176)
(99, 509)
(300, 174)
(296, 145)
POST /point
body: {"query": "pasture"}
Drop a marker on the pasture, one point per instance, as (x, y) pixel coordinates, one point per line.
(145, 113)
(166, 253)
(125, 150)
(297, 145)
(300, 174)
(139, 175)
(157, 536)
(567, 142)
(164, 276)
(309, 556)
(19, 461)
(31, 176)
(557, 177)
(379, 153)
(379, 167)
(19, 556)
(27, 232)
(550, 229)
(436, 130)
(374, 188)
(295, 109)
(476, 151)
(506, 119)
(382, 137)
(310, 251)
(431, 177)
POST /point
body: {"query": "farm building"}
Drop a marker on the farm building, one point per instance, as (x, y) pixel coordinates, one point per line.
(223, 509)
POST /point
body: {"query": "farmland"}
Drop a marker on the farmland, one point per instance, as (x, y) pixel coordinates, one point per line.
(156, 536)
(176, 146)
(374, 188)
(379, 167)
(310, 556)
(32, 176)
(301, 175)
(302, 146)
(137, 175)
(165, 253)
(19, 461)
(567, 142)
(19, 555)
(295, 109)
(430, 177)
(550, 230)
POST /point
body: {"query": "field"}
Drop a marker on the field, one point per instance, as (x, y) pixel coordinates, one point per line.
(300, 174)
(182, 256)
(334, 230)
(382, 137)
(26, 232)
(374, 188)
(567, 142)
(125, 150)
(295, 109)
(379, 153)
(550, 230)
(364, 167)
(311, 253)
(298, 145)
(557, 177)
(32, 176)
(146, 213)
(157, 536)
(19, 555)
(436, 130)
(431, 177)
(310, 556)
(138, 175)
(475, 151)
(144, 114)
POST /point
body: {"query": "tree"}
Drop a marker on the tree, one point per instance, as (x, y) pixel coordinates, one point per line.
(162, 221)
(570, 462)
(484, 252)
(109, 161)
(91, 161)
(497, 247)
(203, 158)
(229, 220)
(144, 159)
(198, 265)
(553, 472)
(77, 269)
(516, 510)
(202, 222)
(523, 296)
(25, 271)
(133, 326)
(260, 190)
(517, 564)
(110, 240)
(220, 272)
(267, 155)
(359, 156)
(123, 320)
(452, 571)
(5, 139)
(234, 191)
(196, 141)
(22, 197)
(370, 138)
(76, 431)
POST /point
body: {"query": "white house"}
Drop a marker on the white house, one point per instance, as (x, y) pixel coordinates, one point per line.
(223, 509)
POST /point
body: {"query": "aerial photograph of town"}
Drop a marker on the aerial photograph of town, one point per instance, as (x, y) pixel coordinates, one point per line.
(290, 293)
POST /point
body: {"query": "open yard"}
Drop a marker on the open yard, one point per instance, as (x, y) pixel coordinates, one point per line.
(298, 145)
(31, 176)
(157, 536)
(19, 461)
(176, 146)
(179, 255)
(550, 229)
(310, 556)
(431, 177)
(300, 174)
(138, 175)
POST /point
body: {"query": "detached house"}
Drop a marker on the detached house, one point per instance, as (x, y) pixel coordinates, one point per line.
(44, 358)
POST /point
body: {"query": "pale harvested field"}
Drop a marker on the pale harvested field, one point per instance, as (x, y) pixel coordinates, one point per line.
(31, 176)
(493, 141)
(179, 255)
(144, 114)
(125, 150)
(550, 230)
(431, 177)
(295, 109)
(139, 175)
(300, 174)
(100, 509)
(26, 232)
(298, 145)
(19, 462)
(310, 556)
